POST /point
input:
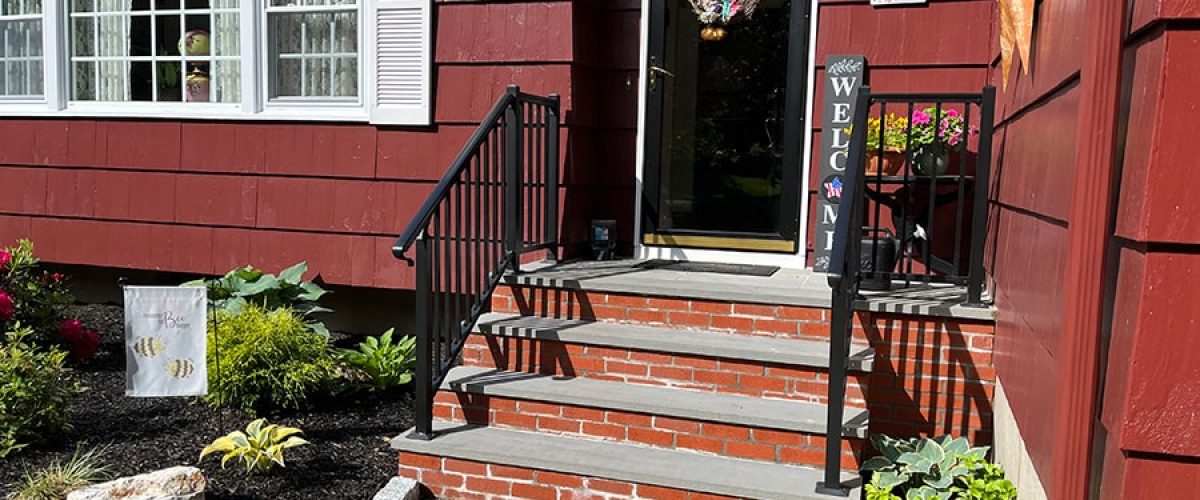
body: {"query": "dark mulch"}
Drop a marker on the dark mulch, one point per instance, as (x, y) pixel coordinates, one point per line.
(349, 456)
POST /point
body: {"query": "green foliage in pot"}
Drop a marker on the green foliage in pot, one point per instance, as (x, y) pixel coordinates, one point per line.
(34, 389)
(934, 469)
(260, 447)
(243, 286)
(379, 363)
(265, 359)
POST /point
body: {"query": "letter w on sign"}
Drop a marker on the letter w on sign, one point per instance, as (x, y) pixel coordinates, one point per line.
(166, 341)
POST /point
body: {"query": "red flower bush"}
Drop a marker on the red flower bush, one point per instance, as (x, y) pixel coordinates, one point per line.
(6, 307)
(84, 341)
(5, 258)
(30, 295)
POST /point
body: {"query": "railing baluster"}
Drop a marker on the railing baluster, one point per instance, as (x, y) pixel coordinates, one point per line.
(513, 166)
(424, 375)
(551, 235)
(979, 210)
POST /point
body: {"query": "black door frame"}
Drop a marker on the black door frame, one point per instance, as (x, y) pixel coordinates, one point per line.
(795, 128)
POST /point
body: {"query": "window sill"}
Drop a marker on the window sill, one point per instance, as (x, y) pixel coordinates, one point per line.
(160, 111)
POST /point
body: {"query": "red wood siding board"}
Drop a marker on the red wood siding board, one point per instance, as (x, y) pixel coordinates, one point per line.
(1056, 56)
(1150, 479)
(70, 193)
(1164, 382)
(86, 143)
(600, 157)
(13, 228)
(607, 37)
(216, 200)
(212, 147)
(523, 32)
(1127, 308)
(22, 190)
(338, 205)
(410, 155)
(1031, 252)
(604, 98)
(183, 249)
(860, 29)
(151, 145)
(19, 137)
(50, 142)
(1037, 157)
(1146, 12)
(231, 248)
(911, 80)
(1158, 199)
(465, 94)
(325, 150)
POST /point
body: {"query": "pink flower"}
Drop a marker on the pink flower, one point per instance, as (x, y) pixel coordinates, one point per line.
(920, 118)
(85, 345)
(5, 258)
(6, 307)
(71, 329)
(952, 113)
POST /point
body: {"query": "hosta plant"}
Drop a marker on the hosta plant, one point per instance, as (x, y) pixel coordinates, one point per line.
(379, 363)
(244, 286)
(259, 448)
(934, 469)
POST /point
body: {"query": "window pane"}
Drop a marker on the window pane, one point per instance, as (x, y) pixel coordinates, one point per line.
(316, 52)
(226, 81)
(83, 36)
(85, 81)
(20, 50)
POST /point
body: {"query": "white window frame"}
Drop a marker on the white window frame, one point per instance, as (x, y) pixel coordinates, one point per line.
(255, 88)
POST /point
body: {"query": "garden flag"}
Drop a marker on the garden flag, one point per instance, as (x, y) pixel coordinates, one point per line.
(165, 341)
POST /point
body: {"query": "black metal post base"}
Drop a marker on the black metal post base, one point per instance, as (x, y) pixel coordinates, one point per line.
(836, 490)
(420, 436)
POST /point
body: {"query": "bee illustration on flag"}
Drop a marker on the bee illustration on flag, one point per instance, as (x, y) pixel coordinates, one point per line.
(149, 346)
(180, 368)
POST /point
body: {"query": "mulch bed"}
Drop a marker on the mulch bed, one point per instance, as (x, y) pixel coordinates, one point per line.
(349, 456)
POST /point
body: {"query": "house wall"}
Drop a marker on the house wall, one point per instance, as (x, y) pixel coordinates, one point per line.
(205, 196)
(1151, 436)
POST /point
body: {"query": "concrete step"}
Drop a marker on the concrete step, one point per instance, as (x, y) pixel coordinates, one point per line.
(772, 350)
(728, 409)
(465, 458)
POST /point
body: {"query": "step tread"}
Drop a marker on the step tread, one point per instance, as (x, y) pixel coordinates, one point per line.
(793, 352)
(798, 416)
(679, 469)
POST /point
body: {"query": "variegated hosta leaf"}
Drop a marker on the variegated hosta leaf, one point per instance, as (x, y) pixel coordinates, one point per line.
(282, 433)
(876, 463)
(293, 442)
(220, 445)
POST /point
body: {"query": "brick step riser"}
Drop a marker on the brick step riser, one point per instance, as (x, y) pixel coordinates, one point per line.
(735, 318)
(471, 480)
(683, 371)
(739, 441)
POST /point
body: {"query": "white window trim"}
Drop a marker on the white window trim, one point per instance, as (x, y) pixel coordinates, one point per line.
(254, 106)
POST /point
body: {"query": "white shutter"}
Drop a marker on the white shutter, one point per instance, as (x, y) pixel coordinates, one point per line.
(400, 62)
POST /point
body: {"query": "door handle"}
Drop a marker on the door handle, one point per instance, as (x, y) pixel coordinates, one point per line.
(654, 71)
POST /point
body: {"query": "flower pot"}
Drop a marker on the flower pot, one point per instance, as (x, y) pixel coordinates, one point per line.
(712, 33)
(893, 162)
(931, 162)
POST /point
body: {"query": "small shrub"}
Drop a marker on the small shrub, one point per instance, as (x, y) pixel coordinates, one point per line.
(260, 447)
(59, 479)
(29, 295)
(244, 286)
(259, 359)
(379, 363)
(34, 388)
(934, 469)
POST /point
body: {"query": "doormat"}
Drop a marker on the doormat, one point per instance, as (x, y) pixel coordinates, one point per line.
(710, 267)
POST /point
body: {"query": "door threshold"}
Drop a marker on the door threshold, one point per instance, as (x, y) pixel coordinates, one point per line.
(783, 260)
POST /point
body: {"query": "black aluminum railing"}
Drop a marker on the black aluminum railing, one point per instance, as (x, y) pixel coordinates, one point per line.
(928, 204)
(497, 201)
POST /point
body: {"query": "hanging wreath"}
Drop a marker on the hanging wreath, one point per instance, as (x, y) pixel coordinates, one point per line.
(717, 13)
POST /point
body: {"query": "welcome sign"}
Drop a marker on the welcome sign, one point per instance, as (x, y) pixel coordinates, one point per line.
(165, 341)
(843, 77)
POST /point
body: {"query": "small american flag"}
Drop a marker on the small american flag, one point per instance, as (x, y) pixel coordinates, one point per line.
(833, 188)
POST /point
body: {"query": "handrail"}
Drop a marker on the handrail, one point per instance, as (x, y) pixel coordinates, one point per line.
(497, 200)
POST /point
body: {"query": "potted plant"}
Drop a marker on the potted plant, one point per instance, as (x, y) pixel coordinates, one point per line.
(715, 14)
(933, 142)
(885, 148)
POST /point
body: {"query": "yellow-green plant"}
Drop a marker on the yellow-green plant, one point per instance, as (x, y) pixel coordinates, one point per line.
(260, 447)
(55, 481)
(35, 386)
(379, 363)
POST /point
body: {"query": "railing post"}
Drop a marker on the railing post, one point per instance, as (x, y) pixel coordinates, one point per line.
(979, 211)
(424, 374)
(552, 166)
(513, 162)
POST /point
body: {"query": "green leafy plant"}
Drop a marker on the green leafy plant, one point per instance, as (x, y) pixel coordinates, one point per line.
(34, 388)
(243, 286)
(259, 358)
(260, 447)
(933, 469)
(58, 479)
(30, 295)
(379, 363)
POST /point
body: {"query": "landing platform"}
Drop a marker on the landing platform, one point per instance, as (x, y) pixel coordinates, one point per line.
(793, 287)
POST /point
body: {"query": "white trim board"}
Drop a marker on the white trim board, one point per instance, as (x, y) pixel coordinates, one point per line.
(797, 260)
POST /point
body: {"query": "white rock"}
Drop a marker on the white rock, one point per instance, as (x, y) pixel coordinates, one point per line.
(399, 488)
(175, 483)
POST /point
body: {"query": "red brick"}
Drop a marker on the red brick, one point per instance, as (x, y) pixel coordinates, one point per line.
(732, 323)
(558, 424)
(463, 495)
(607, 352)
(629, 419)
(667, 304)
(688, 319)
(518, 420)
(432, 477)
(755, 451)
(608, 486)
(776, 326)
(810, 456)
(626, 301)
(707, 496)
(725, 431)
(676, 424)
(510, 472)
(421, 461)
(743, 367)
(708, 363)
(584, 414)
(711, 307)
(801, 313)
(608, 312)
(651, 357)
(768, 436)
(714, 377)
(534, 491)
(670, 372)
(762, 383)
(557, 479)
(611, 431)
(756, 310)
(700, 443)
(537, 408)
(465, 467)
(645, 316)
(626, 368)
(489, 485)
(652, 437)
(659, 493)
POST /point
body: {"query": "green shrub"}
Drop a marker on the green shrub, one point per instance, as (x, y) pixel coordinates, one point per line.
(259, 359)
(379, 363)
(934, 469)
(29, 295)
(34, 388)
(240, 287)
(59, 479)
(260, 447)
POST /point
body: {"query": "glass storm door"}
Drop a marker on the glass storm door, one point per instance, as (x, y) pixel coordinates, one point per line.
(725, 129)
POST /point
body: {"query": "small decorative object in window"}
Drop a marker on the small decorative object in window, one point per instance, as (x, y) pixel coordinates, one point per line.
(194, 43)
(717, 13)
(602, 242)
(197, 86)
